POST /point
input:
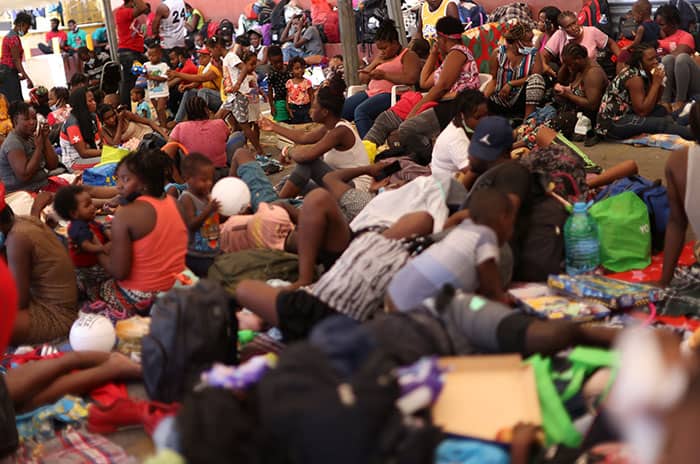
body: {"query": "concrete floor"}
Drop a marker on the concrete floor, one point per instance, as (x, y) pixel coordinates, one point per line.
(651, 163)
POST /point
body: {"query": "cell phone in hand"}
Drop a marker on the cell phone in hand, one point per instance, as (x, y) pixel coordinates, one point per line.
(388, 170)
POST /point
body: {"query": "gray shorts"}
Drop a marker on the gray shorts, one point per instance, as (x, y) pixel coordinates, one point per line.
(353, 201)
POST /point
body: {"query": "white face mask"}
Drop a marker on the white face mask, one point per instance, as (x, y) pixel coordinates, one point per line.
(646, 385)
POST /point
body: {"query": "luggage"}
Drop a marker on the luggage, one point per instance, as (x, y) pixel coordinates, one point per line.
(191, 328)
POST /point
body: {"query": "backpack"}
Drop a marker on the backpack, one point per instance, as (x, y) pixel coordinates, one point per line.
(257, 263)
(472, 15)
(151, 141)
(191, 328)
(592, 14)
(317, 415)
(277, 21)
(367, 22)
(539, 250)
(654, 195)
(558, 165)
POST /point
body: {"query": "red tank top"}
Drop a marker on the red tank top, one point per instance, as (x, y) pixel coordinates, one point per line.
(159, 257)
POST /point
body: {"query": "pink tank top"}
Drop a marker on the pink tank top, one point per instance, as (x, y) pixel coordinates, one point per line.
(375, 87)
(159, 257)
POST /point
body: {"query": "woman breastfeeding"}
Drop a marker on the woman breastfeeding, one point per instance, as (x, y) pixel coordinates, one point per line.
(149, 237)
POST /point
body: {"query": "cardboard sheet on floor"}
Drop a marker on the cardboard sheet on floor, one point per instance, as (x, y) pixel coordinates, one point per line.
(483, 395)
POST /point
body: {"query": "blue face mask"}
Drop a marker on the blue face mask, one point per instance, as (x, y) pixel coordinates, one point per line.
(2, 240)
(525, 50)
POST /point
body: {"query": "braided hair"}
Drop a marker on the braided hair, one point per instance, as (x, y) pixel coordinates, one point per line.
(151, 167)
(196, 109)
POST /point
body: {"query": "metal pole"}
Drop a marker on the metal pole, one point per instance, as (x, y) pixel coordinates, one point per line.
(111, 31)
(394, 10)
(348, 35)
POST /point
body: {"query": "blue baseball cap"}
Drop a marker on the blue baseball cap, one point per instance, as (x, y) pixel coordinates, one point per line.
(492, 136)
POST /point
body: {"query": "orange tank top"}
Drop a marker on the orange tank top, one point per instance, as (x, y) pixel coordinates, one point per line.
(375, 87)
(159, 257)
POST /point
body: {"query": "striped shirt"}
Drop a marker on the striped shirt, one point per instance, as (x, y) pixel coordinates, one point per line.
(356, 284)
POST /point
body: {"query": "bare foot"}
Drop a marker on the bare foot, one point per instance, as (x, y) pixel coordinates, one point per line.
(123, 367)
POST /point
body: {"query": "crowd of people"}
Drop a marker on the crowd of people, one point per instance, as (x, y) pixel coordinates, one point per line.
(419, 242)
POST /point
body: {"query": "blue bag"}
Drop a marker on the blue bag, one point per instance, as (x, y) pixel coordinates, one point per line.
(472, 15)
(102, 175)
(654, 196)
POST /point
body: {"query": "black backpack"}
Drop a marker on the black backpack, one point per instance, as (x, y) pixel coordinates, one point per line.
(539, 250)
(191, 328)
(370, 16)
(316, 415)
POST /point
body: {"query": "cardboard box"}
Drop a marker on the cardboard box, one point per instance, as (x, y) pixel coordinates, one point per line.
(486, 394)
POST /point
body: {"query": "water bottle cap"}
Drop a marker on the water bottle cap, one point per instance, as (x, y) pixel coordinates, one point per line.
(580, 207)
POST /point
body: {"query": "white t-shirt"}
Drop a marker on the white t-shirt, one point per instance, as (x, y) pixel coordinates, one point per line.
(450, 152)
(453, 260)
(157, 89)
(232, 69)
(426, 193)
(172, 29)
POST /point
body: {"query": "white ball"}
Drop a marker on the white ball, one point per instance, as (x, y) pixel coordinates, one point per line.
(92, 332)
(233, 194)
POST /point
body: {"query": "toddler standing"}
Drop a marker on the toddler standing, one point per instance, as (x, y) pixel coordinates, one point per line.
(200, 213)
(157, 87)
(300, 92)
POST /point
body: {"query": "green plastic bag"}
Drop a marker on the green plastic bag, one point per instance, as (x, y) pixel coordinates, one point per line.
(624, 232)
(556, 422)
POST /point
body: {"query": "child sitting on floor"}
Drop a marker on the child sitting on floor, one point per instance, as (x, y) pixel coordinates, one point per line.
(143, 108)
(648, 31)
(200, 213)
(88, 240)
(467, 258)
(300, 92)
(158, 91)
(335, 68)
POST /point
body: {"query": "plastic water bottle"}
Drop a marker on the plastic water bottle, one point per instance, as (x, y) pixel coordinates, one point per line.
(603, 19)
(581, 242)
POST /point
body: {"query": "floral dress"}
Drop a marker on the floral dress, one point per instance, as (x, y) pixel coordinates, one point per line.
(468, 76)
(617, 101)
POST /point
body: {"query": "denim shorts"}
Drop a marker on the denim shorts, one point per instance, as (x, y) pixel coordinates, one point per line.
(259, 185)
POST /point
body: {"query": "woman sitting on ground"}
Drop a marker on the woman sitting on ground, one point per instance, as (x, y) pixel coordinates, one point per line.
(548, 24)
(678, 47)
(81, 139)
(203, 135)
(456, 71)
(392, 66)
(26, 158)
(48, 292)
(517, 85)
(630, 105)
(336, 145)
(120, 125)
(149, 237)
(582, 83)
(682, 168)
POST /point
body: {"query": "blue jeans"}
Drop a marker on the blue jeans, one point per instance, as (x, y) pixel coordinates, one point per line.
(364, 110)
(631, 125)
(290, 52)
(212, 97)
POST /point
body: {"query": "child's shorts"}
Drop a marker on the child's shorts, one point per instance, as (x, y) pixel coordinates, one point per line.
(281, 114)
(300, 113)
(237, 104)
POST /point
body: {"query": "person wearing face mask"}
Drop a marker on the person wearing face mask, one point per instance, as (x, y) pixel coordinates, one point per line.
(592, 38)
(11, 68)
(516, 67)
